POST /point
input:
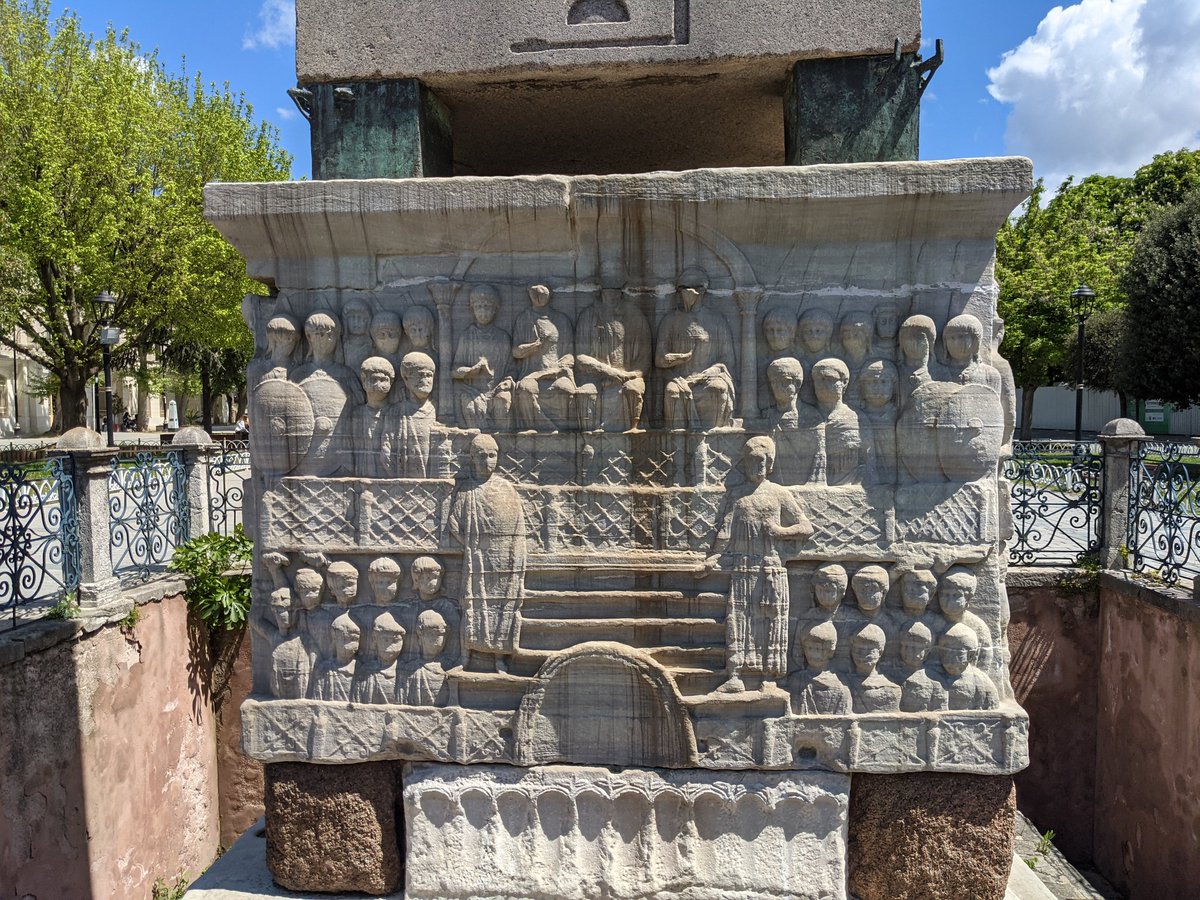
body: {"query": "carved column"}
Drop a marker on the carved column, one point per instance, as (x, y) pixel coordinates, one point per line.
(1120, 439)
(443, 293)
(747, 302)
(92, 470)
(195, 446)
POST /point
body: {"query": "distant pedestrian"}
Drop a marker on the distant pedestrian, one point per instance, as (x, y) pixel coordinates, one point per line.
(242, 427)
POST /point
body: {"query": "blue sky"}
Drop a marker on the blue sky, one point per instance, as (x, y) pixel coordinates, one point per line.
(1089, 86)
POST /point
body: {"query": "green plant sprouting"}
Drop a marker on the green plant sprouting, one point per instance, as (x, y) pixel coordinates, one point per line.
(221, 601)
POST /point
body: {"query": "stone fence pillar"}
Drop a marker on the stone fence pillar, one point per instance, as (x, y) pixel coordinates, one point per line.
(93, 463)
(1119, 440)
(195, 444)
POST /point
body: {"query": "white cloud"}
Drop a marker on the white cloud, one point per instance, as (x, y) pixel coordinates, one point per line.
(276, 26)
(1102, 86)
(286, 114)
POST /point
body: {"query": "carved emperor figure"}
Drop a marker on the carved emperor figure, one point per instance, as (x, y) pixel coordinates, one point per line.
(482, 359)
(696, 346)
(614, 354)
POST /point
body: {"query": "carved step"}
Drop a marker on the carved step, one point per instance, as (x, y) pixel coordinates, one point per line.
(620, 604)
(559, 634)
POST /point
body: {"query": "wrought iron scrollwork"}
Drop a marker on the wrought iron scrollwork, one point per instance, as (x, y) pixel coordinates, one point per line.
(39, 534)
(1057, 501)
(228, 467)
(148, 511)
(1164, 510)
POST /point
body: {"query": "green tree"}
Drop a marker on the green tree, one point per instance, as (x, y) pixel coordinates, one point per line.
(102, 169)
(1042, 254)
(1162, 346)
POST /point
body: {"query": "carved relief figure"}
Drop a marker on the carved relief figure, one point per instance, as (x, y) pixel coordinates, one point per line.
(872, 690)
(963, 338)
(333, 677)
(425, 683)
(887, 324)
(917, 589)
(816, 690)
(793, 423)
(843, 453)
(386, 334)
(695, 345)
(970, 430)
(921, 692)
(419, 322)
(754, 523)
(356, 342)
(481, 363)
(427, 578)
(955, 592)
(281, 411)
(368, 422)
(309, 591)
(406, 440)
(917, 337)
(854, 334)
(829, 585)
(283, 336)
(968, 687)
(779, 327)
(544, 396)
(871, 585)
(375, 679)
(487, 522)
(816, 332)
(383, 577)
(342, 579)
(330, 387)
(878, 385)
(291, 657)
(614, 351)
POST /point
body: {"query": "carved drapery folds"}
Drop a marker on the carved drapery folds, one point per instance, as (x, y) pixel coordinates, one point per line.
(751, 512)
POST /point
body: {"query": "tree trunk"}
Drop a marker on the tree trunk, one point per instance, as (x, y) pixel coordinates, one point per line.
(1123, 399)
(1027, 394)
(206, 396)
(241, 404)
(72, 401)
(143, 384)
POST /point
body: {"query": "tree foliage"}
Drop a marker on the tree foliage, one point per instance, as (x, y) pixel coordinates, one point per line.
(1162, 346)
(102, 168)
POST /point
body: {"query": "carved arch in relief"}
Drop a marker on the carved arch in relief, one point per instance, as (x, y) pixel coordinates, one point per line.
(604, 703)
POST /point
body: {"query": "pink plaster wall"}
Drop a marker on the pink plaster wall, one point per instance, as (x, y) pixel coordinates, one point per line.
(1147, 825)
(108, 778)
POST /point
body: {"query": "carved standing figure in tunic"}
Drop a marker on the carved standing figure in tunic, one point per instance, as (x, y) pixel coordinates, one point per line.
(696, 346)
(330, 388)
(368, 423)
(779, 331)
(843, 456)
(755, 521)
(375, 680)
(424, 684)
(1008, 388)
(291, 654)
(283, 336)
(921, 692)
(333, 677)
(356, 342)
(966, 684)
(793, 423)
(482, 359)
(406, 441)
(955, 593)
(963, 338)
(873, 691)
(816, 689)
(487, 522)
(614, 352)
(386, 333)
(917, 337)
(878, 385)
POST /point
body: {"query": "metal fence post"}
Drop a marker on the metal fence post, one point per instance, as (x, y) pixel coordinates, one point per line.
(1118, 438)
(196, 446)
(93, 463)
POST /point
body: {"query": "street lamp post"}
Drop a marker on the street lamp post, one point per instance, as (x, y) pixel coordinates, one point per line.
(103, 305)
(16, 397)
(1081, 304)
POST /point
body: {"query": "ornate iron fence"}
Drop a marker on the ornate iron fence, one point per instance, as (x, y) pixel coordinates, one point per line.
(1164, 510)
(1057, 501)
(148, 511)
(228, 467)
(39, 532)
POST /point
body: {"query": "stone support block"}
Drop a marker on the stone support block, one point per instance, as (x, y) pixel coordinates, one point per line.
(1120, 439)
(582, 833)
(97, 585)
(194, 442)
(933, 836)
(333, 828)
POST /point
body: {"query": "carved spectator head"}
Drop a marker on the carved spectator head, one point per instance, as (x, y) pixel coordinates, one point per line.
(431, 634)
(418, 371)
(915, 643)
(871, 584)
(879, 383)
(342, 579)
(916, 590)
(957, 648)
(322, 332)
(854, 333)
(387, 638)
(346, 635)
(539, 296)
(785, 377)
(758, 459)
(377, 377)
(691, 286)
(309, 585)
(485, 303)
(866, 649)
(282, 611)
(282, 338)
(386, 332)
(427, 575)
(383, 575)
(819, 643)
(887, 320)
(963, 337)
(829, 585)
(418, 325)
(357, 316)
(956, 591)
(779, 328)
(917, 337)
(830, 378)
(816, 330)
(485, 455)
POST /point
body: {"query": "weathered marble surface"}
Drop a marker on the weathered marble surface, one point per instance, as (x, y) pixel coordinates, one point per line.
(690, 469)
(589, 833)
